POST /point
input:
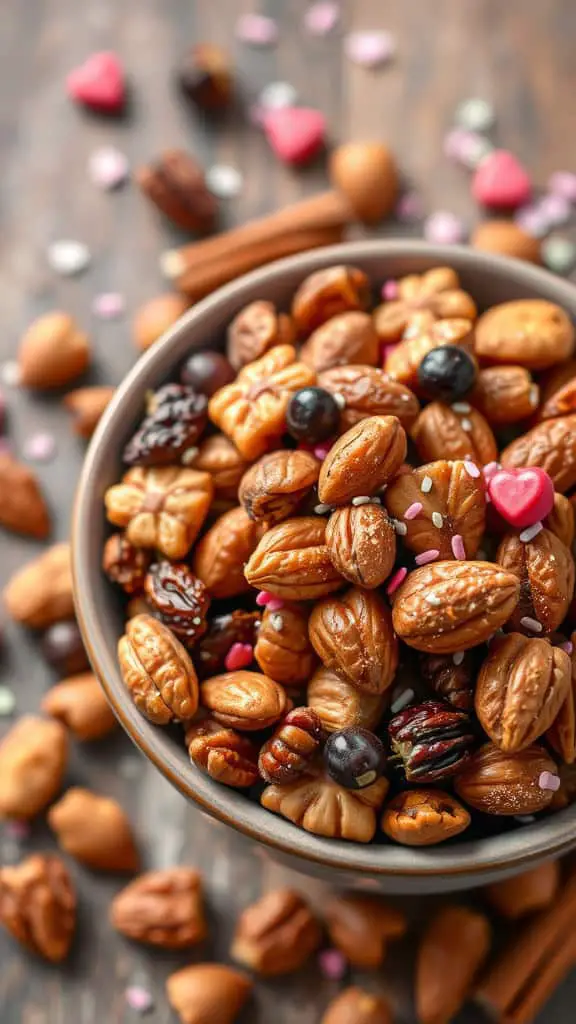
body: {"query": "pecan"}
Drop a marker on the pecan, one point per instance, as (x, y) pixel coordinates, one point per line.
(38, 905)
(276, 935)
(125, 564)
(550, 445)
(561, 735)
(505, 394)
(452, 950)
(292, 561)
(292, 747)
(422, 299)
(80, 703)
(353, 636)
(244, 700)
(237, 627)
(561, 520)
(157, 671)
(446, 607)
(559, 391)
(520, 690)
(41, 593)
(424, 817)
(219, 457)
(274, 487)
(346, 338)
(441, 432)
(175, 183)
(356, 1006)
(161, 507)
(207, 992)
(451, 680)
(222, 753)
(283, 650)
(328, 292)
(94, 830)
(530, 332)
(363, 459)
(178, 599)
(33, 756)
(161, 908)
(524, 894)
(220, 556)
(23, 508)
(496, 782)
(339, 705)
(252, 410)
(403, 360)
(86, 406)
(361, 928)
(545, 568)
(254, 330)
(362, 544)
(367, 391)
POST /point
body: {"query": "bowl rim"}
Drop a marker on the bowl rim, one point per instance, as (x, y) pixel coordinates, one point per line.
(514, 850)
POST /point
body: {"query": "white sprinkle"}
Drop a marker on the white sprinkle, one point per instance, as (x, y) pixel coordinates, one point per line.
(426, 485)
(475, 115)
(10, 374)
(365, 499)
(434, 600)
(530, 533)
(205, 655)
(322, 509)
(196, 620)
(278, 94)
(534, 396)
(461, 407)
(188, 456)
(400, 528)
(402, 700)
(68, 257)
(339, 399)
(458, 658)
(524, 819)
(277, 622)
(107, 167)
(532, 624)
(466, 425)
(437, 520)
(7, 701)
(224, 181)
(471, 468)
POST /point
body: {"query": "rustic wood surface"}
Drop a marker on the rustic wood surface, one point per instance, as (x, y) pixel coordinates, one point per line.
(518, 54)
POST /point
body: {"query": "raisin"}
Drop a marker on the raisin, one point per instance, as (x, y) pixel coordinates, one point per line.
(178, 599)
(176, 418)
(430, 740)
(125, 564)
(238, 627)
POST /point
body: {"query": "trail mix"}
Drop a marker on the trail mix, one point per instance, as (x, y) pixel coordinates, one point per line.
(347, 552)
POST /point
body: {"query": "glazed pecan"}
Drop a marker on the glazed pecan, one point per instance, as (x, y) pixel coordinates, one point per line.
(495, 782)
(283, 650)
(33, 756)
(356, 1006)
(533, 333)
(175, 183)
(362, 544)
(204, 993)
(505, 394)
(94, 830)
(161, 908)
(545, 568)
(38, 905)
(276, 935)
(442, 431)
(424, 817)
(125, 564)
(41, 593)
(558, 391)
(244, 700)
(550, 445)
(293, 746)
(454, 946)
(157, 671)
(254, 330)
(363, 459)
(452, 680)
(326, 293)
(219, 457)
(178, 599)
(81, 704)
(222, 753)
(292, 561)
(422, 299)
(524, 894)
(220, 557)
(353, 636)
(561, 520)
(274, 487)
(367, 391)
(339, 705)
(361, 928)
(346, 338)
(402, 360)
(237, 627)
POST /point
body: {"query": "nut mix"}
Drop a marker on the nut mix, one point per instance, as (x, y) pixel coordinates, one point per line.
(344, 502)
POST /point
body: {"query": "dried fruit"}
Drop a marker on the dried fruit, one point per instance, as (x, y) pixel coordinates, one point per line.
(347, 338)
(94, 830)
(452, 680)
(80, 703)
(207, 992)
(38, 905)
(178, 599)
(244, 700)
(161, 908)
(53, 352)
(367, 391)
(361, 928)
(550, 445)
(545, 568)
(86, 406)
(176, 418)
(206, 371)
(41, 592)
(125, 564)
(363, 459)
(222, 753)
(175, 184)
(499, 783)
(283, 650)
(340, 705)
(355, 1006)
(354, 758)
(237, 627)
(524, 894)
(255, 330)
(157, 671)
(353, 636)
(204, 77)
(274, 487)
(362, 544)
(292, 561)
(219, 457)
(505, 394)
(434, 295)
(23, 508)
(155, 317)
(221, 555)
(454, 946)
(530, 332)
(404, 361)
(431, 741)
(33, 756)
(326, 293)
(292, 747)
(63, 648)
(276, 935)
(424, 817)
(441, 432)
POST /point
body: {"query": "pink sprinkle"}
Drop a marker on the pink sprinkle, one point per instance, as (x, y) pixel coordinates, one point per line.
(389, 290)
(549, 781)
(263, 597)
(443, 228)
(275, 604)
(321, 18)
(321, 450)
(531, 220)
(471, 468)
(427, 556)
(568, 647)
(409, 207)
(256, 30)
(413, 510)
(40, 447)
(563, 183)
(369, 49)
(490, 469)
(139, 998)
(396, 580)
(17, 830)
(465, 147)
(333, 964)
(457, 545)
(108, 305)
(108, 167)
(555, 209)
(239, 656)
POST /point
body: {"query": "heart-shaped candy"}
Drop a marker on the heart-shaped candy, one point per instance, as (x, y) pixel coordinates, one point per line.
(98, 83)
(501, 181)
(522, 496)
(296, 134)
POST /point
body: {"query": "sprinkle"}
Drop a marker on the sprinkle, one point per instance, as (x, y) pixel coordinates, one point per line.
(568, 647)
(433, 599)
(443, 228)
(549, 781)
(458, 657)
(409, 207)
(461, 407)
(369, 49)
(466, 425)
(17, 830)
(188, 457)
(457, 545)
(239, 656)
(437, 520)
(471, 468)
(531, 624)
(555, 209)
(527, 535)
(332, 964)
(277, 622)
(7, 701)
(402, 700)
(563, 183)
(413, 510)
(321, 450)
(256, 30)
(524, 819)
(278, 94)
(490, 469)
(534, 394)
(263, 597)
(401, 528)
(365, 499)
(427, 556)
(275, 604)
(108, 167)
(224, 181)
(322, 509)
(466, 148)
(389, 290)
(396, 580)
(108, 305)
(68, 257)
(339, 399)
(559, 254)
(475, 114)
(426, 485)
(10, 374)
(40, 447)
(321, 18)
(196, 620)
(139, 998)
(532, 221)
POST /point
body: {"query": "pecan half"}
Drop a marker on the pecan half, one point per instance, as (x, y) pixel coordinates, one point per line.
(244, 700)
(505, 394)
(175, 183)
(254, 330)
(362, 544)
(353, 636)
(340, 705)
(222, 753)
(361, 928)
(403, 360)
(363, 459)
(207, 992)
(346, 338)
(38, 905)
(367, 391)
(274, 487)
(276, 935)
(441, 432)
(157, 671)
(325, 293)
(33, 756)
(161, 908)
(283, 650)
(293, 746)
(545, 568)
(550, 445)
(292, 561)
(533, 333)
(422, 299)
(496, 782)
(424, 817)
(452, 950)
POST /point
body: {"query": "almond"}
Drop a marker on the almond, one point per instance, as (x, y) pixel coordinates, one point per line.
(221, 554)
(505, 394)
(33, 756)
(40, 593)
(283, 650)
(22, 505)
(452, 950)
(364, 459)
(203, 993)
(443, 432)
(292, 561)
(503, 236)
(94, 830)
(52, 352)
(339, 705)
(356, 1006)
(367, 391)
(424, 817)
(243, 700)
(545, 568)
(561, 735)
(362, 544)
(347, 338)
(550, 445)
(86, 406)
(80, 703)
(496, 782)
(530, 332)
(274, 487)
(353, 636)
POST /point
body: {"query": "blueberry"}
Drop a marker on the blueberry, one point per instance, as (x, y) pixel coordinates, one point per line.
(447, 373)
(207, 372)
(312, 415)
(354, 758)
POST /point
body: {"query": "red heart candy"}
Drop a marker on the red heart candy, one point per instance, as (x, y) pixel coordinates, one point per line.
(501, 181)
(522, 496)
(296, 134)
(98, 83)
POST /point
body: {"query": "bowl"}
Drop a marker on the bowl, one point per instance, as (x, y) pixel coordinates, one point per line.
(491, 279)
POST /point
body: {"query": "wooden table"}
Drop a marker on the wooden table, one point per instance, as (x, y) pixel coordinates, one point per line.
(520, 55)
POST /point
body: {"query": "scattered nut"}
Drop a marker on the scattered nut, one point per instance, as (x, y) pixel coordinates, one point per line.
(526, 893)
(361, 928)
(23, 508)
(81, 705)
(155, 317)
(203, 77)
(276, 935)
(505, 237)
(452, 950)
(366, 173)
(94, 830)
(86, 406)
(161, 908)
(355, 1006)
(204, 993)
(40, 593)
(52, 352)
(38, 905)
(175, 184)
(33, 756)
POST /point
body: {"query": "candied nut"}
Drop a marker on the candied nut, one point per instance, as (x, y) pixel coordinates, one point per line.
(244, 700)
(23, 508)
(424, 817)
(561, 735)
(545, 568)
(319, 805)
(355, 1006)
(94, 830)
(452, 950)
(504, 394)
(367, 391)
(451, 680)
(283, 650)
(222, 753)
(447, 607)
(326, 293)
(520, 690)
(561, 520)
(157, 671)
(533, 333)
(237, 627)
(353, 636)
(423, 298)
(558, 391)
(361, 928)
(86, 406)
(366, 173)
(155, 317)
(125, 564)
(175, 184)
(41, 593)
(254, 330)
(292, 747)
(38, 905)
(178, 599)
(347, 338)
(204, 993)
(276, 935)
(204, 77)
(526, 893)
(33, 756)
(495, 782)
(339, 705)
(403, 359)
(442, 433)
(251, 410)
(80, 703)
(550, 445)
(274, 487)
(221, 555)
(161, 507)
(362, 460)
(161, 908)
(53, 352)
(292, 561)
(507, 238)
(219, 457)
(362, 544)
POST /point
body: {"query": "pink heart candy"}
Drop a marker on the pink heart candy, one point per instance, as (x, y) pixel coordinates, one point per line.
(501, 181)
(98, 83)
(523, 497)
(296, 134)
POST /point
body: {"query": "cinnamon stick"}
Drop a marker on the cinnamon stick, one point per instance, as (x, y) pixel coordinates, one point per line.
(544, 984)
